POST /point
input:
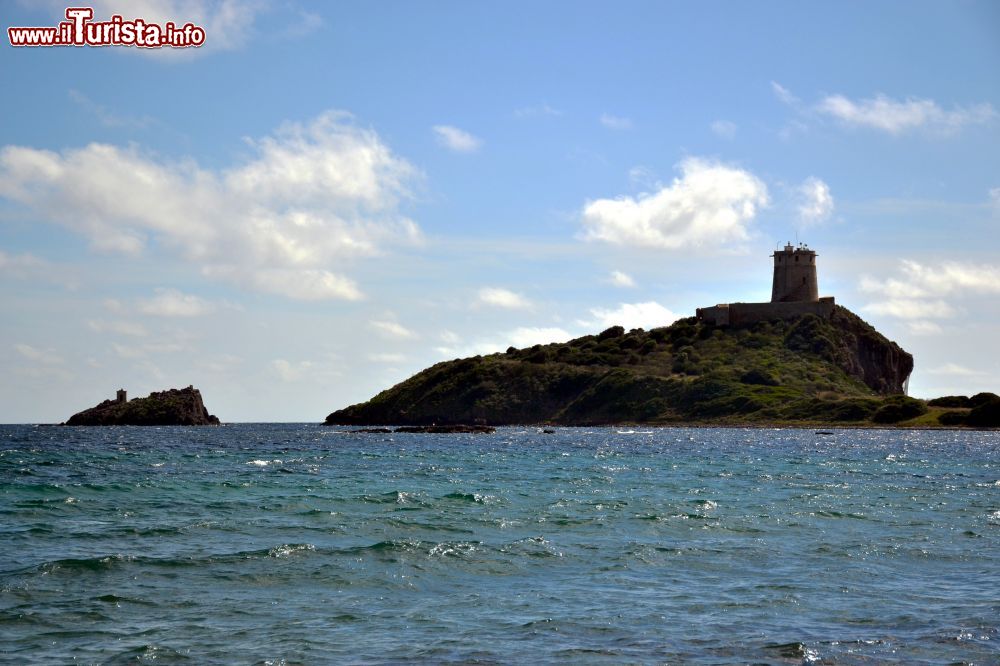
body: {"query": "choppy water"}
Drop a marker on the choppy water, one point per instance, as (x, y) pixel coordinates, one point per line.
(303, 544)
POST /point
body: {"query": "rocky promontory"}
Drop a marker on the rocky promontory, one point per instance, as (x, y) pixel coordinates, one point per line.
(171, 407)
(806, 369)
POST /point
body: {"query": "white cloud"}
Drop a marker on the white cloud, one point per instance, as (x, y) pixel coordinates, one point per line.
(784, 94)
(643, 177)
(724, 129)
(106, 116)
(522, 336)
(449, 337)
(456, 139)
(632, 315)
(129, 352)
(910, 308)
(43, 356)
(502, 298)
(528, 336)
(895, 116)
(144, 350)
(173, 303)
(26, 266)
(995, 198)
(620, 279)
(119, 327)
(815, 201)
(920, 293)
(791, 129)
(312, 196)
(943, 279)
(386, 358)
(711, 203)
(956, 370)
(392, 329)
(113, 305)
(615, 122)
(288, 371)
(542, 109)
(924, 327)
(303, 284)
(20, 265)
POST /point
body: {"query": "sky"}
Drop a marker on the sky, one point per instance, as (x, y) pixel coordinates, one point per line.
(327, 197)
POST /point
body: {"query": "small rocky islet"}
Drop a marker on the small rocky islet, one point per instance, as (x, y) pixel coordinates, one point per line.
(172, 407)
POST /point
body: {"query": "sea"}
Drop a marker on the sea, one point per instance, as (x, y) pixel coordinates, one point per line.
(305, 544)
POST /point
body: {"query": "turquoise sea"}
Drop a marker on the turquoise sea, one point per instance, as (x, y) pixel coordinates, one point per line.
(296, 543)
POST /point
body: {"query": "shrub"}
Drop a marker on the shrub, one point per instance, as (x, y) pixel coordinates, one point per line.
(857, 409)
(949, 401)
(899, 408)
(982, 399)
(613, 332)
(986, 415)
(538, 356)
(809, 335)
(758, 377)
(630, 342)
(952, 418)
(659, 334)
(653, 408)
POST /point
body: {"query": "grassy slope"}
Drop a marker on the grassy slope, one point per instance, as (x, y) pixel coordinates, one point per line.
(772, 372)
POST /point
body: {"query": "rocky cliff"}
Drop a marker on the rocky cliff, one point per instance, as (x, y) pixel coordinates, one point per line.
(170, 407)
(808, 369)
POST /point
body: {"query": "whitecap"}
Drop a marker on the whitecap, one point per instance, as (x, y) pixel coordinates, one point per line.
(287, 549)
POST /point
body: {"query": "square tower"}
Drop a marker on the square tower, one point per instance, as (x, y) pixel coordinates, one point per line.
(794, 275)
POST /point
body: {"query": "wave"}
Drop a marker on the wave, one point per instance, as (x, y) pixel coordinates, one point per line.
(476, 498)
(391, 497)
(118, 600)
(106, 563)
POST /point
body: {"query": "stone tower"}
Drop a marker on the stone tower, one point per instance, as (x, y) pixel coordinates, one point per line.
(120, 397)
(794, 275)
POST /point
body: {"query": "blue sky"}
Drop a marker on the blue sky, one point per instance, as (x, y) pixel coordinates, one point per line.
(328, 197)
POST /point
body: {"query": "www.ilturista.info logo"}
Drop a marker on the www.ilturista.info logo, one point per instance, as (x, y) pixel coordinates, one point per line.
(79, 30)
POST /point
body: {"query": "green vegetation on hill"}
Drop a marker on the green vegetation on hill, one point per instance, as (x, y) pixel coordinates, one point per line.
(980, 411)
(805, 370)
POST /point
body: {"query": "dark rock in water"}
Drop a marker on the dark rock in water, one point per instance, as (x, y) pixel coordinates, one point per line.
(171, 407)
(475, 429)
(548, 431)
(807, 369)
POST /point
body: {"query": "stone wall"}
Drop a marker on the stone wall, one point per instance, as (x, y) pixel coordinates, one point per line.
(743, 314)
